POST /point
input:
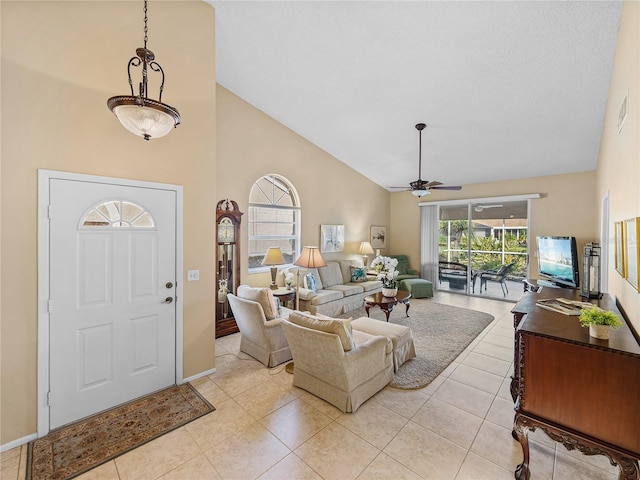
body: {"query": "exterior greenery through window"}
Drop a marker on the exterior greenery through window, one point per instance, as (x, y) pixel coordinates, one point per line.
(274, 219)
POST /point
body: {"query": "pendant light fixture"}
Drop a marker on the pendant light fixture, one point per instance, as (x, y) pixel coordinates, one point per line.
(138, 113)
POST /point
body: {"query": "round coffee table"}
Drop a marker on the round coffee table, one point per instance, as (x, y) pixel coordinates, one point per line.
(386, 304)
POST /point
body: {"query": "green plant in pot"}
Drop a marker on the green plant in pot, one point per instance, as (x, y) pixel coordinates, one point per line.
(599, 321)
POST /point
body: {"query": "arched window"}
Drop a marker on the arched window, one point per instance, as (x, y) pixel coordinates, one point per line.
(118, 213)
(274, 219)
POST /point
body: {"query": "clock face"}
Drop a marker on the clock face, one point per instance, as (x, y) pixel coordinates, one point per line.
(226, 231)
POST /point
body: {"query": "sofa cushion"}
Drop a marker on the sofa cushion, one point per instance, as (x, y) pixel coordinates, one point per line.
(326, 296)
(348, 289)
(368, 285)
(261, 295)
(358, 274)
(327, 325)
(331, 275)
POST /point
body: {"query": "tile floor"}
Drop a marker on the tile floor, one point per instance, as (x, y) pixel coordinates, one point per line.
(458, 427)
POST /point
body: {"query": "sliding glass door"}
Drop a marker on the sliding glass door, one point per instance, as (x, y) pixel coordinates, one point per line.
(483, 248)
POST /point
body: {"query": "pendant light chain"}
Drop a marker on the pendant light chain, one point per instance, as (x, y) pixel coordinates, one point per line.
(146, 29)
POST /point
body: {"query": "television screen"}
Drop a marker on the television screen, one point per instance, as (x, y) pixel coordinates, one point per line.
(558, 260)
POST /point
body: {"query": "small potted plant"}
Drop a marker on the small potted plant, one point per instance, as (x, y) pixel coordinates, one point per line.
(288, 280)
(599, 321)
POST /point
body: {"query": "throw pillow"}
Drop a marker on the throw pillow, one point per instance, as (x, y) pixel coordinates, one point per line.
(329, 325)
(263, 296)
(347, 326)
(310, 282)
(358, 274)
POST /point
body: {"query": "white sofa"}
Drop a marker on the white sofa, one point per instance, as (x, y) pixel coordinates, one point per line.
(335, 293)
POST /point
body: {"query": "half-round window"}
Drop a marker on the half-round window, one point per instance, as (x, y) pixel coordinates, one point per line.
(274, 220)
(118, 213)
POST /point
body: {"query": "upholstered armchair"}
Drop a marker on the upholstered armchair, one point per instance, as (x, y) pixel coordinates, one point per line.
(404, 272)
(331, 366)
(261, 334)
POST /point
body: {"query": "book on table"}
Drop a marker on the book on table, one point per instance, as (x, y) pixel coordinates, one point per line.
(563, 305)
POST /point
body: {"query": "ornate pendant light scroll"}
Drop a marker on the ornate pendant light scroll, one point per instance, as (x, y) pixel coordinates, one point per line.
(138, 113)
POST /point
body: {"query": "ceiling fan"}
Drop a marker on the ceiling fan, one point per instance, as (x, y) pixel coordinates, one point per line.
(480, 208)
(420, 187)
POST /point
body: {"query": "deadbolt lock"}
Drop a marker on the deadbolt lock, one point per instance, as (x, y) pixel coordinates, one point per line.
(169, 285)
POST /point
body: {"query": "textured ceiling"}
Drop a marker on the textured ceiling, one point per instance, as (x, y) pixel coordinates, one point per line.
(508, 89)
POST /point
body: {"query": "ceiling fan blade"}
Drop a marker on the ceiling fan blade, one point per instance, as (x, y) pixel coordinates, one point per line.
(456, 187)
(433, 184)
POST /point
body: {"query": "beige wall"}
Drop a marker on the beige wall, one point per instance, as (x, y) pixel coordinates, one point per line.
(619, 161)
(60, 63)
(566, 208)
(252, 144)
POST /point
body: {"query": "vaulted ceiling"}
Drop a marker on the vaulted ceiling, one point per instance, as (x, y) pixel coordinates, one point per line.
(508, 89)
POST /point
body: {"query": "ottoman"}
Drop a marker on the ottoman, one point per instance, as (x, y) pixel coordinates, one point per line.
(401, 337)
(417, 287)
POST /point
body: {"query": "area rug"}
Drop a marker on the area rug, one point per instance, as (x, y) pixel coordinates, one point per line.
(440, 334)
(81, 446)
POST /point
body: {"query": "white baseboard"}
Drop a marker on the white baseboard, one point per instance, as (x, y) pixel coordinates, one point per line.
(199, 375)
(18, 442)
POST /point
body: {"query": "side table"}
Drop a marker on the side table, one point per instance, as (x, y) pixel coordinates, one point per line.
(285, 296)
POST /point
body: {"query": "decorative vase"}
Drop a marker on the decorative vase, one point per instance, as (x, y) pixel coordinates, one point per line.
(599, 331)
(288, 287)
(389, 292)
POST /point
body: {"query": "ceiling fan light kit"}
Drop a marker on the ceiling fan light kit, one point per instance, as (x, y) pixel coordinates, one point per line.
(420, 188)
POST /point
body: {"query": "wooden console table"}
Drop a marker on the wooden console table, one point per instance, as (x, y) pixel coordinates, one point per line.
(581, 391)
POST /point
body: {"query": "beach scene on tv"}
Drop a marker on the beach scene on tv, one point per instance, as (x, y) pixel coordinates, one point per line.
(555, 257)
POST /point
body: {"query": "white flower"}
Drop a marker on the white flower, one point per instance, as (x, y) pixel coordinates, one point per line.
(386, 268)
(288, 279)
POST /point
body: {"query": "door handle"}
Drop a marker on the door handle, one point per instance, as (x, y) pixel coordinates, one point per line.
(168, 300)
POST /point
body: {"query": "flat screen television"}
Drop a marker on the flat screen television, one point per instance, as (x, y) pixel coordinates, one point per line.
(558, 260)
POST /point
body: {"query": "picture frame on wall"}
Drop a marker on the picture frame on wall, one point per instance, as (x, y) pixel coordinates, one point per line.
(378, 237)
(331, 238)
(632, 251)
(619, 248)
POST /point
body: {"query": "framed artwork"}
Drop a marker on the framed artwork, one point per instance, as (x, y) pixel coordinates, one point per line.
(331, 238)
(632, 251)
(619, 248)
(378, 237)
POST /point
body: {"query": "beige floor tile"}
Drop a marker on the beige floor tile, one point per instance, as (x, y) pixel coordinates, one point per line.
(157, 457)
(336, 453)
(106, 471)
(495, 443)
(463, 396)
(218, 426)
(429, 455)
(373, 422)
(599, 461)
(485, 381)
(501, 413)
(575, 468)
(289, 468)
(542, 458)
(247, 454)
(477, 468)
(265, 398)
(384, 467)
(238, 380)
(316, 402)
(504, 331)
(209, 390)
(449, 422)
(495, 351)
(450, 369)
(500, 340)
(404, 402)
(198, 468)
(505, 389)
(542, 438)
(433, 386)
(487, 364)
(295, 423)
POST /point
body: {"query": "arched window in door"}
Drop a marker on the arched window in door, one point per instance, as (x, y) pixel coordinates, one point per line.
(118, 213)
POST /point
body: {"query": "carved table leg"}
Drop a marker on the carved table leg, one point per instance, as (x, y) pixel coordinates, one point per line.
(407, 305)
(388, 310)
(628, 469)
(367, 307)
(521, 429)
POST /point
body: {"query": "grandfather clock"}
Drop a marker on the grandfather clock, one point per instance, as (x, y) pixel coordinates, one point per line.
(227, 263)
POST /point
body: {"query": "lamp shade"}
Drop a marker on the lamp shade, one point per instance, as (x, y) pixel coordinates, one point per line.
(365, 248)
(273, 257)
(310, 258)
(144, 117)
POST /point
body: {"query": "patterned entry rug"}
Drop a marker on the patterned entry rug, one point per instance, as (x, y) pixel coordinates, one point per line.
(440, 334)
(81, 446)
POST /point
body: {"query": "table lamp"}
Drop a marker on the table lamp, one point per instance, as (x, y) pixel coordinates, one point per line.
(272, 258)
(309, 258)
(365, 250)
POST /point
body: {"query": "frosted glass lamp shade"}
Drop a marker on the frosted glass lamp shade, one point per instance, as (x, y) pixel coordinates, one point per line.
(144, 117)
(420, 193)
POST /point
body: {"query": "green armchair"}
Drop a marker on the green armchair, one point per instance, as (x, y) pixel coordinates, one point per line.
(403, 268)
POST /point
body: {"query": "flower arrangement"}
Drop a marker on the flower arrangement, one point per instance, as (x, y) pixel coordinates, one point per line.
(288, 279)
(386, 270)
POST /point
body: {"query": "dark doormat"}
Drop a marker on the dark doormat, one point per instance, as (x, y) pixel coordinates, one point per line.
(81, 446)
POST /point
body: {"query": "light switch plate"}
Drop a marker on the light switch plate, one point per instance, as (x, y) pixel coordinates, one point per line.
(193, 275)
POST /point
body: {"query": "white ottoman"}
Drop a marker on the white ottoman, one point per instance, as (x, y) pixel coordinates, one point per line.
(400, 336)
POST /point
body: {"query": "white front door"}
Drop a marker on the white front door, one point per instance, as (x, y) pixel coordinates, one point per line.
(112, 315)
